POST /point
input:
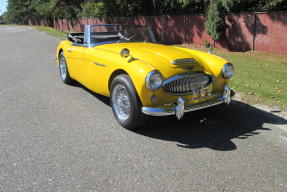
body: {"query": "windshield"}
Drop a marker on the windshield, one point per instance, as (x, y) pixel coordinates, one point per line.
(119, 34)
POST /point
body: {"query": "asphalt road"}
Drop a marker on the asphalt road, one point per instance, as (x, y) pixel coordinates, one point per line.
(55, 137)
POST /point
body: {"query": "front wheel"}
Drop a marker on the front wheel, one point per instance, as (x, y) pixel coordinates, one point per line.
(63, 68)
(125, 103)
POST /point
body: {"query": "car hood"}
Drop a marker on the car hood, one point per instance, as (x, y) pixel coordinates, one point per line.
(159, 56)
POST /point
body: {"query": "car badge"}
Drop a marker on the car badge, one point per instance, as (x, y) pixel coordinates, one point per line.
(125, 53)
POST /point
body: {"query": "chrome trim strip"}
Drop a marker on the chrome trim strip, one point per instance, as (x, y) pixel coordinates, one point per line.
(87, 34)
(102, 65)
(174, 84)
(151, 33)
(179, 109)
(188, 74)
(226, 98)
(172, 111)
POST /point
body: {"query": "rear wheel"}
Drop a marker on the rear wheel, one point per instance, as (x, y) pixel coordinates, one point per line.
(63, 68)
(125, 103)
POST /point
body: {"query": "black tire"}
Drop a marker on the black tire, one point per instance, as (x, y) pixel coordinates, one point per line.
(65, 78)
(136, 118)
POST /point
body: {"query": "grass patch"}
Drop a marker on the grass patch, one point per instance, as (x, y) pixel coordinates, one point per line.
(51, 31)
(259, 77)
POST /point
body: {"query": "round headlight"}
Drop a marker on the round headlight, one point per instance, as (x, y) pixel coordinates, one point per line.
(227, 71)
(154, 80)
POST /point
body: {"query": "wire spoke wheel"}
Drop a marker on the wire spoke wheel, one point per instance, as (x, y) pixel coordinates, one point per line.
(63, 68)
(121, 102)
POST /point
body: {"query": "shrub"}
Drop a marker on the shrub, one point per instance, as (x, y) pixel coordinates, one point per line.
(207, 44)
(214, 23)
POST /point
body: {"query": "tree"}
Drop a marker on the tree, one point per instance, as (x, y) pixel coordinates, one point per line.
(215, 22)
(92, 9)
(19, 11)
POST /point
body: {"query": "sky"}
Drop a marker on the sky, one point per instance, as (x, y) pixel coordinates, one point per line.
(3, 5)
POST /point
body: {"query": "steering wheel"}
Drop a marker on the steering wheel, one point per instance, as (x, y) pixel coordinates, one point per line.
(125, 38)
(130, 37)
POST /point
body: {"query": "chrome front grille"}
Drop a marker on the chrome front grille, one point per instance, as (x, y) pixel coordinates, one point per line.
(187, 83)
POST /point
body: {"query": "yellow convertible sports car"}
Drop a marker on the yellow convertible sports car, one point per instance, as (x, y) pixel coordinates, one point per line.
(140, 76)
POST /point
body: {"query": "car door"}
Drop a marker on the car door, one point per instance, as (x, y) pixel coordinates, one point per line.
(97, 69)
(75, 58)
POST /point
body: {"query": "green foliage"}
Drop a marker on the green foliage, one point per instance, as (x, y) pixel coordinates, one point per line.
(126, 7)
(67, 9)
(207, 44)
(51, 31)
(214, 23)
(19, 11)
(271, 89)
(4, 17)
(228, 4)
(273, 5)
(93, 9)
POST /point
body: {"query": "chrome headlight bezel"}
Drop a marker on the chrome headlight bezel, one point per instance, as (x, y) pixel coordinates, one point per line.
(152, 82)
(227, 71)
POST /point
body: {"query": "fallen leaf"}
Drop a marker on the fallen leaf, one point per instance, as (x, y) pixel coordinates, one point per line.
(279, 91)
(251, 93)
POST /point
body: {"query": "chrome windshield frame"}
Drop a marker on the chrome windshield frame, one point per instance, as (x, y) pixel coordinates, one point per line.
(87, 34)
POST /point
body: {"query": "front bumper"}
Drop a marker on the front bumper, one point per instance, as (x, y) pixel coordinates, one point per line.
(182, 108)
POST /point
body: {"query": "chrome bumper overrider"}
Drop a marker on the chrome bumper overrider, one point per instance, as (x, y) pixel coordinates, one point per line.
(182, 108)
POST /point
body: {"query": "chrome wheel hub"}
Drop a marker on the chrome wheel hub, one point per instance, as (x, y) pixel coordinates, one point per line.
(63, 68)
(121, 102)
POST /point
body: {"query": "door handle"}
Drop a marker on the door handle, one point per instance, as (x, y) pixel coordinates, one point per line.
(70, 50)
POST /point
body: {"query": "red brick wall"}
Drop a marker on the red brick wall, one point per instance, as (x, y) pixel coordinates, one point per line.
(195, 31)
(174, 29)
(271, 33)
(247, 31)
(239, 32)
(156, 25)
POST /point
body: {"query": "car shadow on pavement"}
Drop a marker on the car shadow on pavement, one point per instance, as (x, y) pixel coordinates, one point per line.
(103, 99)
(212, 128)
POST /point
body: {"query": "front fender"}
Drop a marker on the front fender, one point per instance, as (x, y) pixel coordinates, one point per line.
(63, 46)
(138, 70)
